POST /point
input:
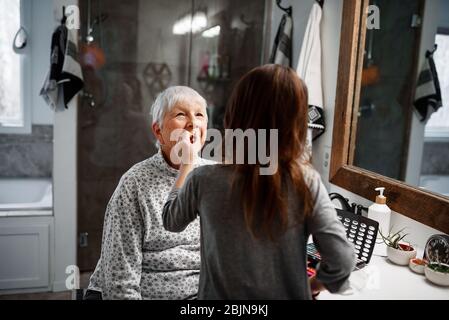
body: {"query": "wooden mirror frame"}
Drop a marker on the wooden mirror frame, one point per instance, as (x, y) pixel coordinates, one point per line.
(423, 206)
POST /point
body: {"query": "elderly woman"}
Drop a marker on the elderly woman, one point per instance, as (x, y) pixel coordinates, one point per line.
(139, 259)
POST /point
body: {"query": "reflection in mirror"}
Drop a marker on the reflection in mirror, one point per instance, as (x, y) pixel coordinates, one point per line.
(228, 45)
(396, 134)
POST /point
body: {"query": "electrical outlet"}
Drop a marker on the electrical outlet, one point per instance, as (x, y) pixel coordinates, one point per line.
(325, 165)
(83, 240)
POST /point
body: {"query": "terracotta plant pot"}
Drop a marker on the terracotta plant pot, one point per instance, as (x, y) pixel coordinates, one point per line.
(401, 257)
(417, 265)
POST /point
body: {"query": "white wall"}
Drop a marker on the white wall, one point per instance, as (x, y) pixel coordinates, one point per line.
(300, 14)
(42, 26)
(431, 22)
(64, 182)
(330, 37)
(330, 34)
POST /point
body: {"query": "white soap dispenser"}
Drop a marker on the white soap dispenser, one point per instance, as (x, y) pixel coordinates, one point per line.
(380, 212)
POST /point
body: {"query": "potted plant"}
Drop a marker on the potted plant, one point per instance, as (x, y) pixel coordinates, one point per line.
(398, 251)
(437, 273)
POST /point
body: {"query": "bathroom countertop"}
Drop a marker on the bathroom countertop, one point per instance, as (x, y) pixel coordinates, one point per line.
(383, 280)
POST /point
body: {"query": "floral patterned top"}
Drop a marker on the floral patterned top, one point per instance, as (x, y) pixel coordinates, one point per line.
(139, 258)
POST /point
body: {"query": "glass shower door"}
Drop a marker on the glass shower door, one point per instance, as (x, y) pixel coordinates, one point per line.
(134, 50)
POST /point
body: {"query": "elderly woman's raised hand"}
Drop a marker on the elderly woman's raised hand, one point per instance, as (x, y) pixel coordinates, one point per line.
(189, 145)
(187, 148)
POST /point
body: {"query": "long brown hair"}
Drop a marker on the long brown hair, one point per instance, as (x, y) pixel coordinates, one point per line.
(272, 97)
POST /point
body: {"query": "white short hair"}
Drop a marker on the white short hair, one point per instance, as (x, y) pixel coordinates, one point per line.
(170, 97)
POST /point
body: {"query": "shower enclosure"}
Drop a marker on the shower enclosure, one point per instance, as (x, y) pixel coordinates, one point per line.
(132, 50)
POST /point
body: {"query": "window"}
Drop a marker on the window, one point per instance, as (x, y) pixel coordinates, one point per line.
(14, 75)
(438, 125)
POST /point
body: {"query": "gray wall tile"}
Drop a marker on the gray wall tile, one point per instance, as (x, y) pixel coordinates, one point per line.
(27, 156)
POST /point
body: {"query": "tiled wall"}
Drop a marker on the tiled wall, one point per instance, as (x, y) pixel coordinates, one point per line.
(27, 156)
(435, 158)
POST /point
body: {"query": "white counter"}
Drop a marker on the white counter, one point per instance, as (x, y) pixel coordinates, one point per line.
(383, 280)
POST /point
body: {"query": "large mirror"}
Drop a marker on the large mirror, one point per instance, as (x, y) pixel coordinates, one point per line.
(391, 122)
(392, 108)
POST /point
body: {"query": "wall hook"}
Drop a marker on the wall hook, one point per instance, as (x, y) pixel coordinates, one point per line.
(287, 10)
(430, 53)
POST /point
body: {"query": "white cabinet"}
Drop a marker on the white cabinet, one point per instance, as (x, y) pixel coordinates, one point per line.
(25, 253)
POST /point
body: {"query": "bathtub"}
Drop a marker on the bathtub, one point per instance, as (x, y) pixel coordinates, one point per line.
(26, 197)
(434, 183)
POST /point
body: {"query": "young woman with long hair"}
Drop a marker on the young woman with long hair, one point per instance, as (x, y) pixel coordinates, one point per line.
(254, 227)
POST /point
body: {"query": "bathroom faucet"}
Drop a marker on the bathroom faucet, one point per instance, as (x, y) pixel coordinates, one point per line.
(354, 207)
(343, 201)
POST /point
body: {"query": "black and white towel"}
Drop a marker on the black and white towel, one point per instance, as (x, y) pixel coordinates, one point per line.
(309, 69)
(428, 93)
(65, 76)
(282, 47)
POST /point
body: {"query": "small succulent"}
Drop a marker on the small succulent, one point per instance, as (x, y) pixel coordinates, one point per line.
(435, 266)
(393, 240)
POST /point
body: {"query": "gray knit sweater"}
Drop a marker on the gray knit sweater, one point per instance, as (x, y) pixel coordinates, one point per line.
(234, 265)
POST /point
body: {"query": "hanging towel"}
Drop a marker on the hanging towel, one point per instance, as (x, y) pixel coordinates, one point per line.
(64, 77)
(282, 48)
(309, 69)
(428, 93)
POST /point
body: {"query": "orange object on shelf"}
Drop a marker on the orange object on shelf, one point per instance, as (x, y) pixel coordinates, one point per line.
(91, 55)
(370, 75)
(311, 272)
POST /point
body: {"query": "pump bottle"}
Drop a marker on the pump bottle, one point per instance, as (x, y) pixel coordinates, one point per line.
(380, 212)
